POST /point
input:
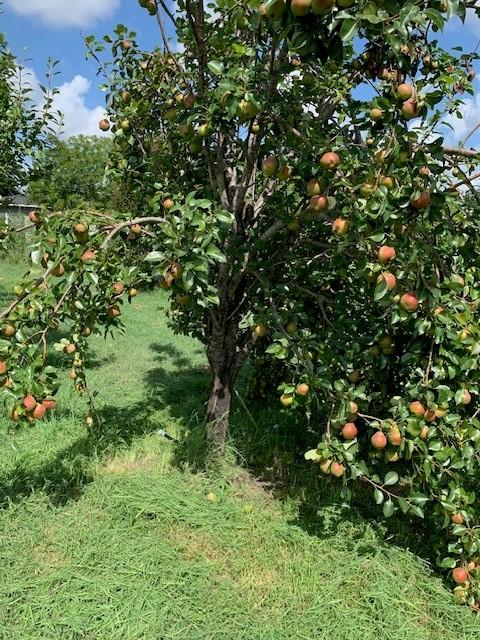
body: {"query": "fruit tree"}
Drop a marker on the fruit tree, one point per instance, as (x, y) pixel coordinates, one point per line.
(291, 189)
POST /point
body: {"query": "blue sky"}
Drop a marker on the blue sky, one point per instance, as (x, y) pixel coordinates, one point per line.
(38, 29)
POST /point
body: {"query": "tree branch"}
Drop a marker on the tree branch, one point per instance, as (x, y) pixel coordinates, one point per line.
(129, 223)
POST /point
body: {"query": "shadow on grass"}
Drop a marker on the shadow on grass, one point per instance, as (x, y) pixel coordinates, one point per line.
(181, 393)
(269, 445)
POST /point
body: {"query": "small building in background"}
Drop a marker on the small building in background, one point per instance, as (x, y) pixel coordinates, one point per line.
(14, 210)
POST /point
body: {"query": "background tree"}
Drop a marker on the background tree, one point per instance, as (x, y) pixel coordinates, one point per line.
(24, 125)
(291, 188)
(71, 173)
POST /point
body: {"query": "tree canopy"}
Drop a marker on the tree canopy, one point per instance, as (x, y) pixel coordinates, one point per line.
(71, 173)
(291, 188)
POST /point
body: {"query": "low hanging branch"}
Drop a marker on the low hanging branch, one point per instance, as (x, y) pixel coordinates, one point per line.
(129, 223)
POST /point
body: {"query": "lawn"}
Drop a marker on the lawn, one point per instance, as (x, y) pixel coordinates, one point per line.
(120, 536)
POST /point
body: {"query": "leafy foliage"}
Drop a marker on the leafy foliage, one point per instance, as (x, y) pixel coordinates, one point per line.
(70, 173)
(24, 125)
(295, 195)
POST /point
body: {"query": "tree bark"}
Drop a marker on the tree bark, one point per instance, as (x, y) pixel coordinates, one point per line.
(223, 360)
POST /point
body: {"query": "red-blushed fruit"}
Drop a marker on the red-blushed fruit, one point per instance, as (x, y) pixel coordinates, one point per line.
(270, 166)
(340, 226)
(389, 279)
(394, 436)
(409, 302)
(379, 440)
(456, 518)
(318, 203)
(302, 389)
(168, 204)
(330, 160)
(132, 292)
(460, 575)
(113, 312)
(337, 469)
(424, 171)
(3, 368)
(118, 288)
(404, 91)
(417, 408)
(409, 109)
(300, 7)
(136, 229)
(70, 348)
(386, 254)
(422, 202)
(466, 398)
(286, 400)
(126, 45)
(72, 375)
(430, 415)
(29, 403)
(88, 256)
(349, 431)
(314, 188)
(39, 412)
(376, 114)
(104, 124)
(33, 217)
(49, 404)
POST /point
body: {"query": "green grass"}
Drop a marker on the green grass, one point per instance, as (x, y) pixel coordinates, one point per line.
(112, 536)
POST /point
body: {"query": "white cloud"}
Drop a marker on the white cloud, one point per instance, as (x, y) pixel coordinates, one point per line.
(59, 13)
(463, 126)
(77, 117)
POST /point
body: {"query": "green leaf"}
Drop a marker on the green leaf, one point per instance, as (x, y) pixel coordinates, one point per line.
(312, 455)
(348, 29)
(154, 256)
(381, 290)
(378, 496)
(214, 252)
(391, 478)
(216, 67)
(388, 509)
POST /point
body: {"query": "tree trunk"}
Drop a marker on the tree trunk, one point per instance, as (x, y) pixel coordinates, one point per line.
(218, 411)
(224, 364)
